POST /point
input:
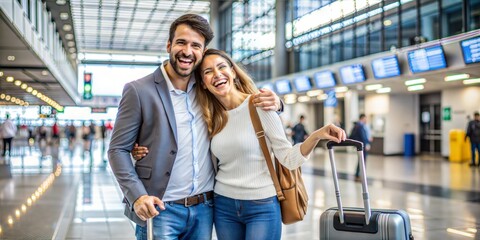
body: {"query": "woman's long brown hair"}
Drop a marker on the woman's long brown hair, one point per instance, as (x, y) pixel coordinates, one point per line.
(214, 113)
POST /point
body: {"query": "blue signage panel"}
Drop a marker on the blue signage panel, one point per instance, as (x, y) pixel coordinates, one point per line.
(268, 86)
(302, 83)
(324, 79)
(471, 50)
(427, 59)
(386, 67)
(331, 100)
(352, 74)
(283, 86)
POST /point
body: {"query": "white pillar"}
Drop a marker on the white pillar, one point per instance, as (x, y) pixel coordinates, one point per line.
(351, 109)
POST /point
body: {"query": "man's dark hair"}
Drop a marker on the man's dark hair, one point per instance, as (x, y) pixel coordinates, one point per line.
(476, 114)
(197, 23)
(302, 117)
(361, 116)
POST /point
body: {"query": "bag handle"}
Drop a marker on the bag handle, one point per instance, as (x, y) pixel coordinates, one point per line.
(363, 177)
(257, 125)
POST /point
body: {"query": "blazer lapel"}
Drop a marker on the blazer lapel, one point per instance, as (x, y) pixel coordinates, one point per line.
(162, 90)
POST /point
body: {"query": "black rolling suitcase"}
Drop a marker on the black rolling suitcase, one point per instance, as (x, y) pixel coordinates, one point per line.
(358, 223)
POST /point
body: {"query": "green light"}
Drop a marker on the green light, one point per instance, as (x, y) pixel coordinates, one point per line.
(87, 88)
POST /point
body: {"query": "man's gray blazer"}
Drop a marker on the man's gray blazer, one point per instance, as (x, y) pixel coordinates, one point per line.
(145, 116)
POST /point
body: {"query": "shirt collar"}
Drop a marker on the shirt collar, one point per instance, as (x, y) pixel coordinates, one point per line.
(170, 86)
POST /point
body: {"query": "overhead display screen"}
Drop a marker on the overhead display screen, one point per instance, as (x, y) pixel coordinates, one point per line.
(386, 67)
(283, 86)
(471, 50)
(268, 86)
(352, 74)
(427, 59)
(302, 83)
(324, 79)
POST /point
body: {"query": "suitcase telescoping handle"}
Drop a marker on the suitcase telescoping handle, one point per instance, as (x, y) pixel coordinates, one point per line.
(150, 229)
(366, 200)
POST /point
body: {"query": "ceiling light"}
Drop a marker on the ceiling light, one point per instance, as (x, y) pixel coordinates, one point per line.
(34, 92)
(72, 50)
(69, 36)
(71, 43)
(64, 16)
(373, 87)
(471, 81)
(384, 90)
(1, 74)
(10, 79)
(322, 97)
(67, 27)
(456, 77)
(61, 2)
(415, 88)
(387, 22)
(415, 81)
(44, 73)
(314, 93)
(7, 97)
(24, 86)
(341, 89)
(17, 83)
(303, 98)
(2, 96)
(11, 58)
(29, 89)
(290, 101)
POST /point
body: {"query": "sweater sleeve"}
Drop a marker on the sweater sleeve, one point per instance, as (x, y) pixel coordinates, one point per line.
(288, 155)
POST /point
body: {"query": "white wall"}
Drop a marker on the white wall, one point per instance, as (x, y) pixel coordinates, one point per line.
(463, 102)
(402, 118)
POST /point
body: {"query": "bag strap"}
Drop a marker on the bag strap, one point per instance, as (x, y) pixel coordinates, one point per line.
(263, 144)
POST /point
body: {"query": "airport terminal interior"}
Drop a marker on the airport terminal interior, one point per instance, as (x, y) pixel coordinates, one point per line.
(410, 67)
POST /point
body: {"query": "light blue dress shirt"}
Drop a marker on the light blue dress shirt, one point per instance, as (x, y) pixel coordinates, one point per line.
(192, 171)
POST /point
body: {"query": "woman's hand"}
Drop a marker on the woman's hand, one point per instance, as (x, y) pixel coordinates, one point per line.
(331, 132)
(139, 152)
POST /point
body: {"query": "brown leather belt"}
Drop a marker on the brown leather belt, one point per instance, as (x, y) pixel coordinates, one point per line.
(194, 200)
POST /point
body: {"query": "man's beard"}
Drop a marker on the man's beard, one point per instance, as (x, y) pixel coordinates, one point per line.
(177, 69)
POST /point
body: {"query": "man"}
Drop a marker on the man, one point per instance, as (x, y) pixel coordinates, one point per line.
(174, 182)
(299, 134)
(473, 132)
(8, 131)
(360, 133)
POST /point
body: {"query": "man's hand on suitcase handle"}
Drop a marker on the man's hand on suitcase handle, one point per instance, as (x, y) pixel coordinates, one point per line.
(144, 207)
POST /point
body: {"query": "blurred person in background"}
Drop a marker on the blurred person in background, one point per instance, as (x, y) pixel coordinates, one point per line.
(473, 132)
(8, 131)
(360, 133)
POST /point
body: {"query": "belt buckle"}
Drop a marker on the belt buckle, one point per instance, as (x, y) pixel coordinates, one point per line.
(186, 203)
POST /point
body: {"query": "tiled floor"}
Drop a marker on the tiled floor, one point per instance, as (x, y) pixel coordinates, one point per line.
(442, 198)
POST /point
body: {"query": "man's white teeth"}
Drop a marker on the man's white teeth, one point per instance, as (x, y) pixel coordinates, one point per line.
(185, 60)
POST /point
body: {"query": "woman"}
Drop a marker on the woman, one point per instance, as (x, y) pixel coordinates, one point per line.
(246, 206)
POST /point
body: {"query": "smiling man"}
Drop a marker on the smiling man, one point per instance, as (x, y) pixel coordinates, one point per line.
(173, 184)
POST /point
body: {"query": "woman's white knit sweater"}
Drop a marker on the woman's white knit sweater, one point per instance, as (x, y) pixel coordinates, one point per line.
(242, 170)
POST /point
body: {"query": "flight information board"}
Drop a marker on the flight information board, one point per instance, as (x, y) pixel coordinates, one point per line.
(352, 74)
(283, 86)
(324, 79)
(302, 83)
(386, 67)
(471, 50)
(427, 59)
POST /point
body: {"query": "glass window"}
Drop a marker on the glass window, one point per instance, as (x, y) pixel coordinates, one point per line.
(361, 41)
(348, 44)
(337, 47)
(409, 24)
(429, 18)
(451, 17)
(474, 14)
(325, 50)
(375, 44)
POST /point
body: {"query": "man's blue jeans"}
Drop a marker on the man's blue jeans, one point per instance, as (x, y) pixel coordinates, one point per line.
(477, 146)
(247, 219)
(180, 222)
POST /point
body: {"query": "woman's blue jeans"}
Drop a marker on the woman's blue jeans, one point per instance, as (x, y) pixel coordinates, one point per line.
(247, 219)
(180, 222)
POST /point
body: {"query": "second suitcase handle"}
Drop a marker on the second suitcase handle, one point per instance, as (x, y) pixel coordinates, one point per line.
(150, 229)
(363, 177)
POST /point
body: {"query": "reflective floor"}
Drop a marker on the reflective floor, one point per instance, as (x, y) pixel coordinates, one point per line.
(79, 199)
